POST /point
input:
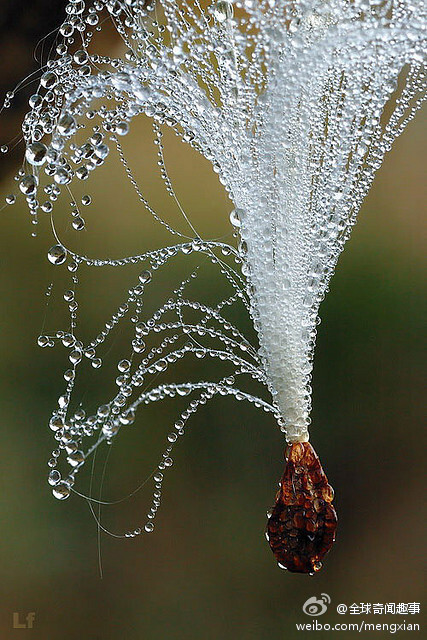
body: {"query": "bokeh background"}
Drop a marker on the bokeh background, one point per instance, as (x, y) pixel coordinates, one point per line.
(207, 571)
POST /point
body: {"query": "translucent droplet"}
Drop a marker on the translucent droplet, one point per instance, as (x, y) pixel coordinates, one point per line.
(28, 184)
(35, 101)
(62, 176)
(54, 477)
(43, 341)
(80, 57)
(36, 153)
(56, 423)
(76, 458)
(82, 173)
(61, 491)
(103, 411)
(235, 218)
(49, 79)
(57, 254)
(47, 207)
(75, 356)
(66, 125)
(66, 29)
(78, 223)
(69, 375)
(123, 365)
(145, 277)
(122, 128)
(223, 10)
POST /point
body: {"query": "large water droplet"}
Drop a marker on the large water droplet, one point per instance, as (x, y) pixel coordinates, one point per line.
(56, 423)
(66, 125)
(57, 254)
(54, 477)
(48, 80)
(61, 491)
(223, 10)
(28, 184)
(36, 153)
(145, 277)
(76, 458)
(236, 217)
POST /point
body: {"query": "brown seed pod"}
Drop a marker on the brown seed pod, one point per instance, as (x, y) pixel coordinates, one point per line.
(301, 527)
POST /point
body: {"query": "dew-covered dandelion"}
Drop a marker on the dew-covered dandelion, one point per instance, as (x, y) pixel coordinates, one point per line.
(294, 103)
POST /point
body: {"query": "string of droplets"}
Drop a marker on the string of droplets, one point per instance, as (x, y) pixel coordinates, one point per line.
(294, 102)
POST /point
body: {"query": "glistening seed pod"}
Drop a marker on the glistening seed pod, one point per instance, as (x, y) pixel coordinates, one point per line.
(302, 524)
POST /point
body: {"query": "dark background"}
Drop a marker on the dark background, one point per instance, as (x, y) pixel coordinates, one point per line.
(207, 571)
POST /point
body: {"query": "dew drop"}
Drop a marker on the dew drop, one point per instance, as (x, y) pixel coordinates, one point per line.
(43, 341)
(223, 10)
(28, 184)
(145, 277)
(54, 477)
(49, 80)
(123, 365)
(36, 153)
(57, 254)
(66, 125)
(61, 491)
(56, 423)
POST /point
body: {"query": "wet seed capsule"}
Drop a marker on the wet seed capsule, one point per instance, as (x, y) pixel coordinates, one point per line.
(301, 527)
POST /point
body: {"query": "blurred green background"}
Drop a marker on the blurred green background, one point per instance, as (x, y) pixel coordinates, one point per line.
(207, 571)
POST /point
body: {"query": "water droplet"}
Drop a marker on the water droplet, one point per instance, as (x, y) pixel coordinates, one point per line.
(49, 79)
(54, 477)
(80, 57)
(36, 153)
(61, 491)
(28, 184)
(35, 100)
(62, 176)
(75, 356)
(103, 411)
(145, 277)
(56, 423)
(123, 365)
(66, 125)
(76, 458)
(43, 341)
(223, 10)
(236, 217)
(78, 223)
(122, 128)
(57, 254)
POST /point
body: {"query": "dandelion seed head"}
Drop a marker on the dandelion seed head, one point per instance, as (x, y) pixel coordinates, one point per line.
(294, 103)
